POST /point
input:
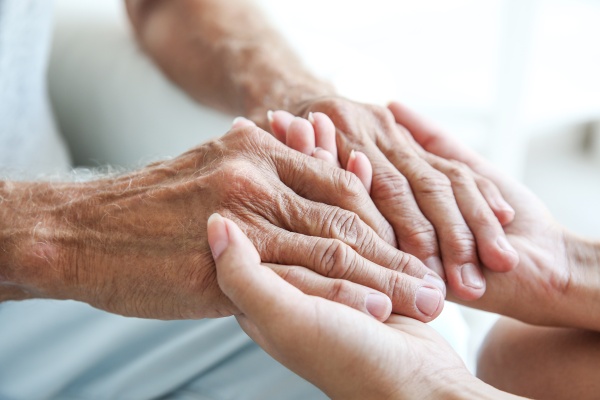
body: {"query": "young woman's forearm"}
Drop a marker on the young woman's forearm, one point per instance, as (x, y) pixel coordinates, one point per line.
(584, 289)
(223, 53)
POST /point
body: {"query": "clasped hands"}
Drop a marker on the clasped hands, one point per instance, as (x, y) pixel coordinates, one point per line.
(349, 355)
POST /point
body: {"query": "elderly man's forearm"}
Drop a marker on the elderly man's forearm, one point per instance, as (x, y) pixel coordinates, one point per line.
(223, 54)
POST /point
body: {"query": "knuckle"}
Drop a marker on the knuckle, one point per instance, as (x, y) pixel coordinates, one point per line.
(400, 261)
(336, 260)
(483, 215)
(462, 242)
(294, 275)
(459, 173)
(421, 235)
(252, 133)
(348, 185)
(390, 185)
(400, 290)
(341, 291)
(346, 226)
(434, 183)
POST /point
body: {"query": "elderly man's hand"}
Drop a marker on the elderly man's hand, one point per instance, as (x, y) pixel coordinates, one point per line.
(136, 244)
(441, 212)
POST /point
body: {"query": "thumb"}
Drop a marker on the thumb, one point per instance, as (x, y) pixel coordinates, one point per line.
(256, 290)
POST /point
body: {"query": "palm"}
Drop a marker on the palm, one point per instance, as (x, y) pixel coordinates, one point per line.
(542, 272)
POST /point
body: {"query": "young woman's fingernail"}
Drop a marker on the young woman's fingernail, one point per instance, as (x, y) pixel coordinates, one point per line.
(428, 300)
(311, 118)
(219, 238)
(378, 305)
(238, 119)
(471, 276)
(270, 116)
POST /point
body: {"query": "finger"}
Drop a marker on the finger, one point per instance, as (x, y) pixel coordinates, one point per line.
(503, 211)
(280, 122)
(255, 289)
(432, 139)
(324, 132)
(433, 191)
(300, 136)
(361, 298)
(359, 165)
(332, 258)
(393, 195)
(493, 247)
(223, 235)
(240, 122)
(327, 184)
(326, 156)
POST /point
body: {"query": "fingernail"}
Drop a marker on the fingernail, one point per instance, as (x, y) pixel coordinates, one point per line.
(270, 116)
(378, 305)
(351, 161)
(428, 300)
(436, 281)
(311, 118)
(435, 264)
(219, 240)
(505, 245)
(237, 119)
(471, 276)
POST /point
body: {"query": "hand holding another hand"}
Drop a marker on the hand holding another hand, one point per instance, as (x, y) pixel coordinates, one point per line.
(557, 280)
(136, 244)
(441, 211)
(342, 351)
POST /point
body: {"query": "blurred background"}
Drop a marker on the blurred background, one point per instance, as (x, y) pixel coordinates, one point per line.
(519, 80)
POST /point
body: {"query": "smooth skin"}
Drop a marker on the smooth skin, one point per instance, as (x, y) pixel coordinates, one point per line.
(345, 353)
(226, 55)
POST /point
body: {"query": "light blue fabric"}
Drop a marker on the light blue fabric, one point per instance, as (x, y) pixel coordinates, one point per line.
(29, 142)
(69, 350)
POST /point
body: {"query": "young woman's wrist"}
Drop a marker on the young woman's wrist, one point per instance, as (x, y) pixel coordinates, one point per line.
(583, 292)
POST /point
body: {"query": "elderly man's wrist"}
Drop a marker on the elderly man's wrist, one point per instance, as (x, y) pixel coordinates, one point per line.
(32, 255)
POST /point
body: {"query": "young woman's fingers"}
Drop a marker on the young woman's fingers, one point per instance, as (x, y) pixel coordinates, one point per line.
(324, 132)
(300, 136)
(280, 122)
(326, 156)
(359, 165)
(503, 211)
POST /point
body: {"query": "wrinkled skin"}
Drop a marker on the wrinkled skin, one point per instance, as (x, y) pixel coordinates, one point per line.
(136, 244)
